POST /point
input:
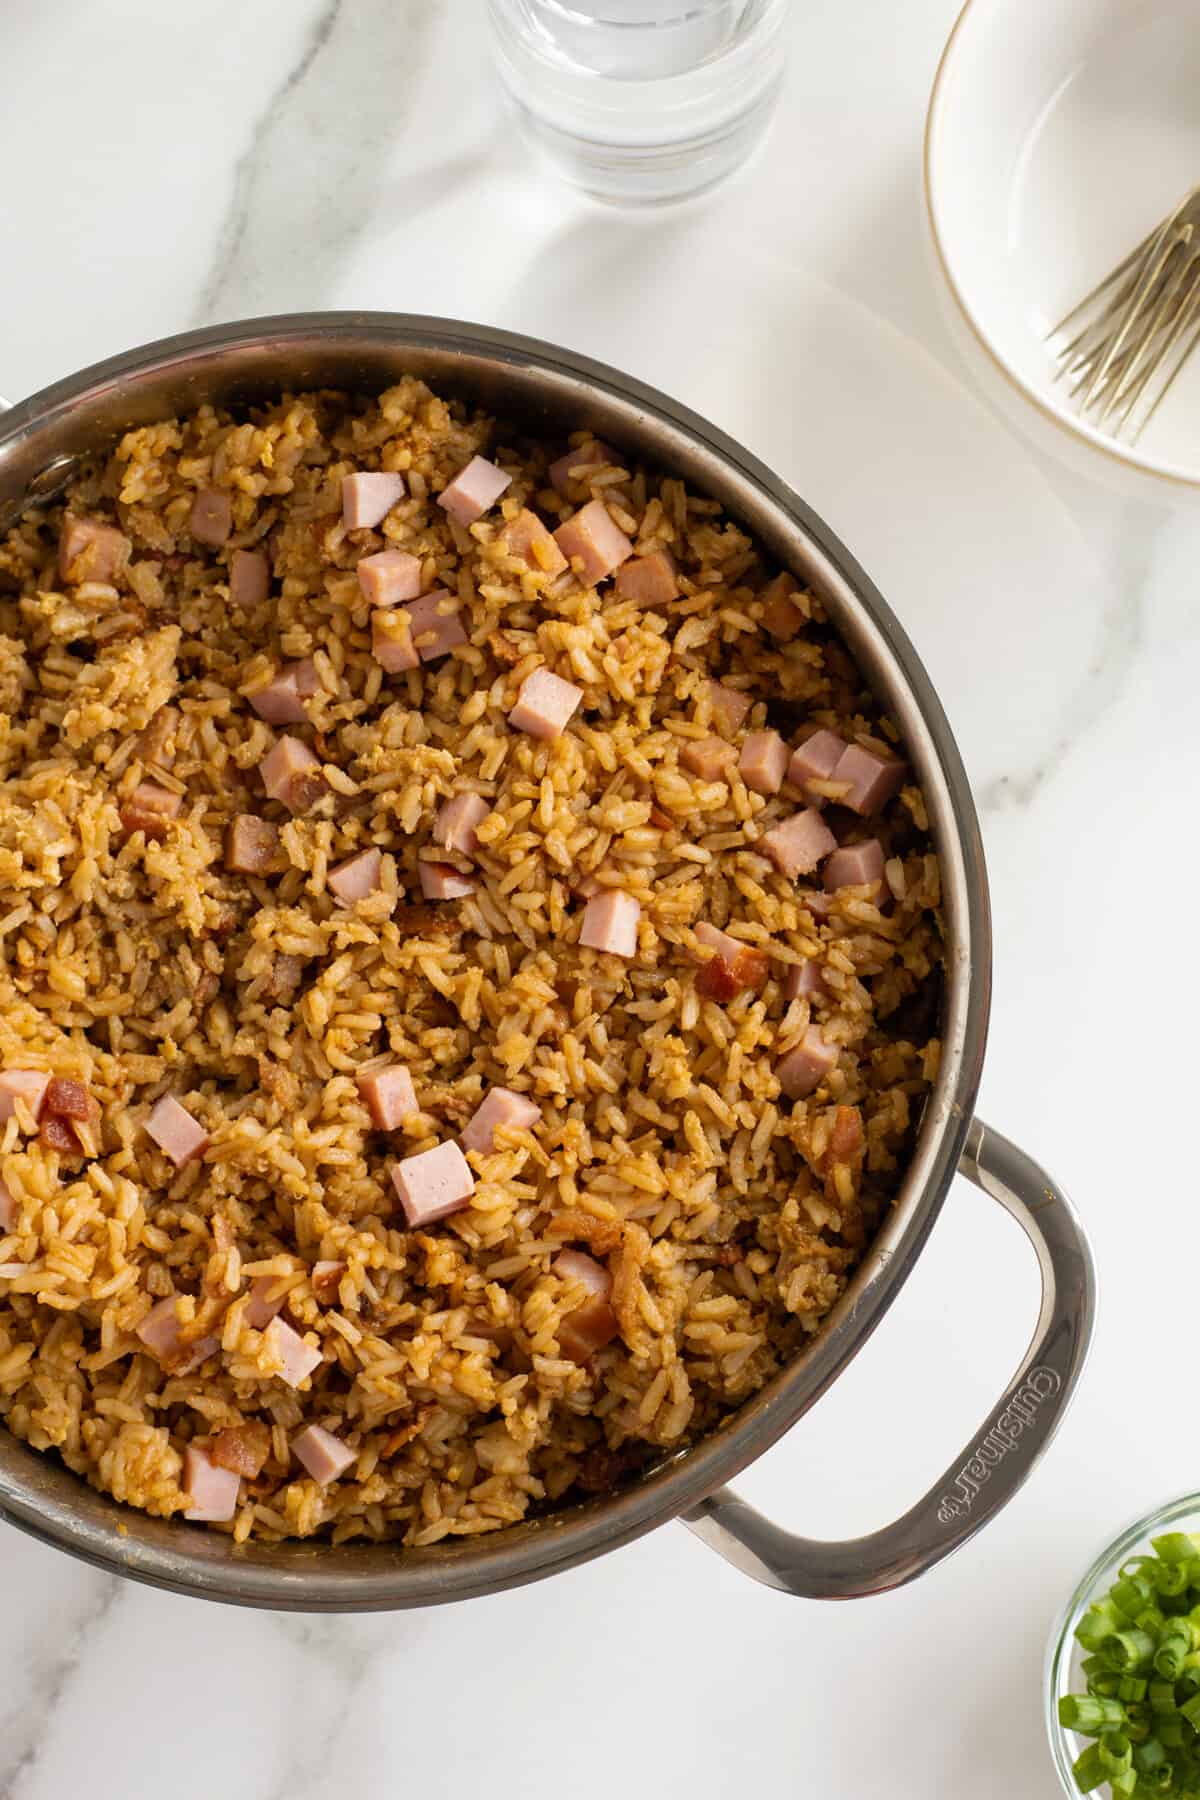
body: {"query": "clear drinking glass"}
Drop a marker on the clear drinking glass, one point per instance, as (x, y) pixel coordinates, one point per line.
(642, 101)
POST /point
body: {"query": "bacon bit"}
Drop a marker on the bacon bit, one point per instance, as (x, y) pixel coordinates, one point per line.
(69, 1099)
(422, 921)
(149, 820)
(56, 1133)
(601, 1470)
(600, 1235)
(727, 1256)
(662, 820)
(846, 1140)
(722, 977)
(242, 1448)
(406, 1433)
(66, 1102)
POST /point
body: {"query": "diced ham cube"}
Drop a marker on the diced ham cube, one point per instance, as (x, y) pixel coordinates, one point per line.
(544, 705)
(873, 779)
(796, 845)
(805, 981)
(211, 518)
(594, 540)
(816, 758)
(176, 1133)
(249, 577)
(501, 1108)
(161, 1333)
(764, 762)
(649, 580)
(392, 642)
(436, 623)
(358, 877)
(323, 1455)
(253, 847)
(150, 809)
(8, 1209)
(854, 866)
(803, 1069)
(719, 941)
(298, 1358)
(212, 1490)
(28, 1085)
(610, 922)
(579, 464)
(89, 551)
(710, 758)
(368, 498)
(473, 490)
(728, 707)
(527, 538)
(780, 615)
(389, 577)
(292, 774)
(389, 1095)
(281, 702)
(732, 969)
(442, 881)
(592, 1325)
(434, 626)
(267, 1295)
(457, 822)
(433, 1184)
(242, 1448)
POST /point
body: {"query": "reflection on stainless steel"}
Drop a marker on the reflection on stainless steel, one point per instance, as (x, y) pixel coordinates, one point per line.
(551, 390)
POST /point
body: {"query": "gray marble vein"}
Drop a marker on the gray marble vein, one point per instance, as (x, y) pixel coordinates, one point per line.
(1104, 679)
(50, 1663)
(306, 186)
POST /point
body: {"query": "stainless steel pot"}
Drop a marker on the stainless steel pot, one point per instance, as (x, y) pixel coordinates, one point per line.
(553, 391)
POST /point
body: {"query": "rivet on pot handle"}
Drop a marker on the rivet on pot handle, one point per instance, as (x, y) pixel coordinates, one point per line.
(993, 1465)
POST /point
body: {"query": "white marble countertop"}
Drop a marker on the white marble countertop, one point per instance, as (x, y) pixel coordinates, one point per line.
(169, 166)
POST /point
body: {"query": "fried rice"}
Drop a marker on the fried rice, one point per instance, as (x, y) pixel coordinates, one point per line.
(724, 1218)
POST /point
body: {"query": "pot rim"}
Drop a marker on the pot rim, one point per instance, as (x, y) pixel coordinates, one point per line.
(45, 1499)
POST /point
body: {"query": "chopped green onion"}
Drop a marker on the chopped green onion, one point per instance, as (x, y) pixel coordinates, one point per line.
(1175, 1546)
(1085, 1713)
(1149, 1756)
(1128, 1651)
(1089, 1771)
(1096, 1624)
(1161, 1695)
(1132, 1594)
(1132, 1688)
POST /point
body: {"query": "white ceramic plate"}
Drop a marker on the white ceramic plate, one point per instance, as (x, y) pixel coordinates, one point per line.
(1059, 133)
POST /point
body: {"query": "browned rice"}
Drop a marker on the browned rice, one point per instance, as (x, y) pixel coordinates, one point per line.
(727, 1216)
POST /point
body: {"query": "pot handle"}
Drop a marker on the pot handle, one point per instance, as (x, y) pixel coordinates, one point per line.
(994, 1464)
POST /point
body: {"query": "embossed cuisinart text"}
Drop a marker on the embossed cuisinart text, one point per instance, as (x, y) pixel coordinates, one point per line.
(1019, 1416)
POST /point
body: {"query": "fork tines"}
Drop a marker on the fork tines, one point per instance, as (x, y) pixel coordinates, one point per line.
(1138, 327)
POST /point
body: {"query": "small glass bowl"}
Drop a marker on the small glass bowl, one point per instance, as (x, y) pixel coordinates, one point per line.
(1065, 1655)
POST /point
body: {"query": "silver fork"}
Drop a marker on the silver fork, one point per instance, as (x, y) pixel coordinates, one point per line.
(1137, 328)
